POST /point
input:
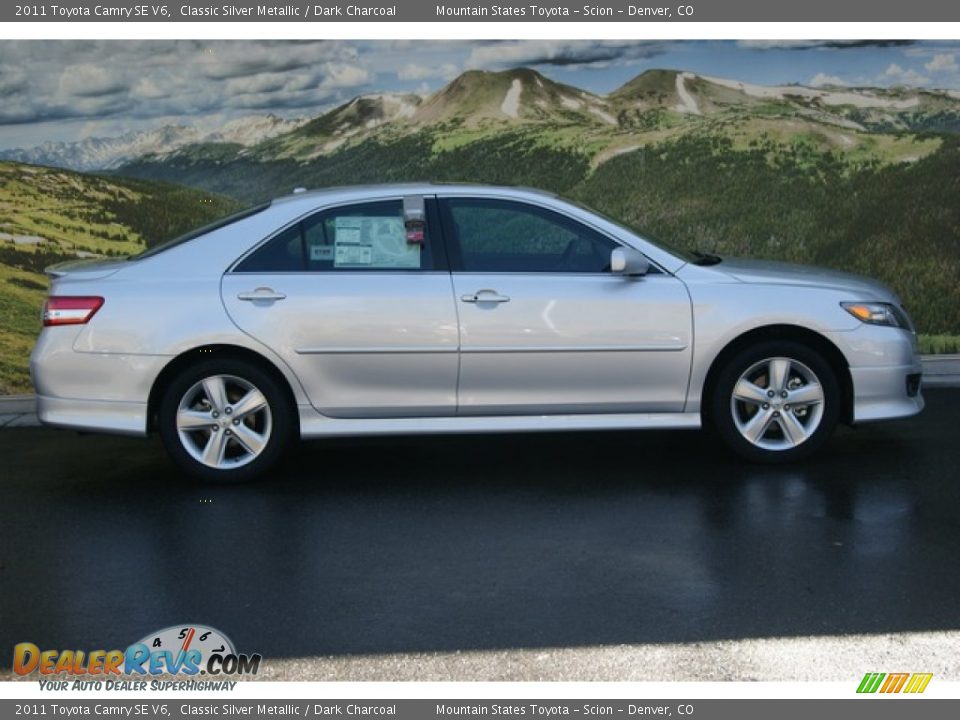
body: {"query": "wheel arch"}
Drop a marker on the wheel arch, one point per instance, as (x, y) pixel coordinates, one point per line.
(206, 352)
(793, 333)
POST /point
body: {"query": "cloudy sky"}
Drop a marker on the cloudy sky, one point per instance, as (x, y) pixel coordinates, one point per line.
(70, 90)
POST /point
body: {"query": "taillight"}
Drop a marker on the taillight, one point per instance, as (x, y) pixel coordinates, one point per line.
(66, 310)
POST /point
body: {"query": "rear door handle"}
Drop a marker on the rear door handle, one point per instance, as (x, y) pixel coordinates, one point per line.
(484, 296)
(261, 293)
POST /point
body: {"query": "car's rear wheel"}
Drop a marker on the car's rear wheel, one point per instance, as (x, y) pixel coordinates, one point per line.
(776, 402)
(225, 420)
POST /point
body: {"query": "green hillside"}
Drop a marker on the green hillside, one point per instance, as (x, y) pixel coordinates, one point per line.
(898, 222)
(49, 215)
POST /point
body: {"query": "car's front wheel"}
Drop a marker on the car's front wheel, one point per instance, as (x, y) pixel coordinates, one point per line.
(776, 402)
(225, 420)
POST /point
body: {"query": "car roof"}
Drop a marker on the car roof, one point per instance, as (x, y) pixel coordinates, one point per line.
(418, 188)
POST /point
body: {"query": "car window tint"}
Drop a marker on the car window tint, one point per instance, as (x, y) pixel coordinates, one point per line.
(504, 236)
(367, 236)
(284, 253)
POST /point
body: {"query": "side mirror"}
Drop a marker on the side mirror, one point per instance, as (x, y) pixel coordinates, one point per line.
(627, 261)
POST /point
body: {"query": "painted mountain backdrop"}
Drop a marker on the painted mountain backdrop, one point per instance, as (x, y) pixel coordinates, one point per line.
(863, 179)
(104, 153)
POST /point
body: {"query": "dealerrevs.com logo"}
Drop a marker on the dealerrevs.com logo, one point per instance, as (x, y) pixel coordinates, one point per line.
(890, 683)
(187, 649)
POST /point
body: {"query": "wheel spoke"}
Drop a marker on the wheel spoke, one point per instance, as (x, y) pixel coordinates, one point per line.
(779, 372)
(754, 429)
(216, 392)
(216, 445)
(809, 394)
(188, 420)
(249, 403)
(749, 392)
(251, 440)
(793, 429)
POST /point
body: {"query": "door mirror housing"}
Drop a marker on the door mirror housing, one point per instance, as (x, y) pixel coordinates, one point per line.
(629, 262)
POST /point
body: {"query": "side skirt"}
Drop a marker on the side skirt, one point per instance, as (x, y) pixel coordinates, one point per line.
(314, 425)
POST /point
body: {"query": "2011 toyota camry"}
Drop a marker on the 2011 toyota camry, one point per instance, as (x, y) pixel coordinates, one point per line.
(433, 309)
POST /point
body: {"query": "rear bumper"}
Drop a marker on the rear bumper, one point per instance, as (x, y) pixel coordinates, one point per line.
(109, 416)
(65, 379)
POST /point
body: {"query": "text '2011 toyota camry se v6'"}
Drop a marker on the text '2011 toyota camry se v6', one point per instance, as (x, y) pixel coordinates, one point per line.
(431, 308)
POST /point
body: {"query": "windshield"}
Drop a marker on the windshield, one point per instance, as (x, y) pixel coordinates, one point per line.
(690, 257)
(210, 227)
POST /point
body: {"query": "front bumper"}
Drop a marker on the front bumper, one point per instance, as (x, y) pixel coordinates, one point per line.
(885, 370)
(883, 393)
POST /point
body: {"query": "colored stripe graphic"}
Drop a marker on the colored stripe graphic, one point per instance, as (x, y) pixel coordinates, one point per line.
(894, 682)
(918, 682)
(870, 682)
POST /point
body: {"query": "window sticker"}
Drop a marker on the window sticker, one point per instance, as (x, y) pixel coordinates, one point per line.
(321, 253)
(379, 242)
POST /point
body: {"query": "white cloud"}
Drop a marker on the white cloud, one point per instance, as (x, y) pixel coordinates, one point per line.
(12, 79)
(148, 89)
(903, 76)
(943, 62)
(89, 80)
(775, 44)
(135, 83)
(262, 83)
(821, 79)
(335, 76)
(413, 71)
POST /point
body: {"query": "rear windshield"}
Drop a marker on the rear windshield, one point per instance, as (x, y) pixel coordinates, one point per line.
(187, 237)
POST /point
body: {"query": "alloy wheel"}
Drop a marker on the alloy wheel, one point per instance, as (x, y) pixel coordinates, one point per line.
(224, 421)
(777, 403)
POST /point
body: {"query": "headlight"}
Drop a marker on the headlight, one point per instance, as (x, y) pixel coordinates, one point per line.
(878, 314)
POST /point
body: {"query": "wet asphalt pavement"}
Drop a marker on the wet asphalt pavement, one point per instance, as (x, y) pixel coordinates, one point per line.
(436, 544)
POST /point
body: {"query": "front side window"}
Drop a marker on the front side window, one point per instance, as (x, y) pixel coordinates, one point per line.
(367, 236)
(507, 236)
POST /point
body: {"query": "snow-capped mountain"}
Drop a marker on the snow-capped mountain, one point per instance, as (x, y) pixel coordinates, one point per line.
(254, 129)
(105, 153)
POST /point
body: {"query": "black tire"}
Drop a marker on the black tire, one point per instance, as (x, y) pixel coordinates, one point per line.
(731, 419)
(274, 423)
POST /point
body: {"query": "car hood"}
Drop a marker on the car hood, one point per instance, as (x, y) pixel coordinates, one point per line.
(769, 272)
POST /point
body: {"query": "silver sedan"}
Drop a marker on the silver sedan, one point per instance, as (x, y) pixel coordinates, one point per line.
(453, 309)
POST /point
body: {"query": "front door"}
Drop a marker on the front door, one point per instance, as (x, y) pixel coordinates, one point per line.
(547, 329)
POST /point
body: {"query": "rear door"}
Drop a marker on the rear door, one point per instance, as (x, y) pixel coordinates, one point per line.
(363, 316)
(546, 328)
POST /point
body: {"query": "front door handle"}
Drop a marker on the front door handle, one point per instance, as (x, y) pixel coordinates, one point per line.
(484, 296)
(261, 293)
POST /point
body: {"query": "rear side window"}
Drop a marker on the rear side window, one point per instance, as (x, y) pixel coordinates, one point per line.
(366, 236)
(187, 237)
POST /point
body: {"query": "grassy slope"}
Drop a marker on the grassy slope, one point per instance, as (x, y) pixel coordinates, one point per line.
(899, 223)
(75, 213)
